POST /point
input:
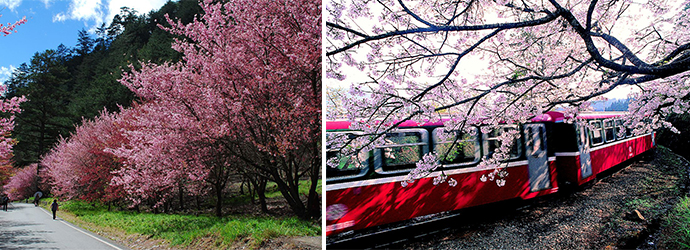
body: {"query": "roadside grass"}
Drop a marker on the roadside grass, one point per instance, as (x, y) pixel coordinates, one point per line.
(190, 230)
(679, 221)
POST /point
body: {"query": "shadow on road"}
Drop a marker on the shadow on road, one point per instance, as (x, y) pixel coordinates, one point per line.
(15, 235)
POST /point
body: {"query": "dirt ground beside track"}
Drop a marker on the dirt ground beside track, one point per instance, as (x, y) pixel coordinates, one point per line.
(623, 210)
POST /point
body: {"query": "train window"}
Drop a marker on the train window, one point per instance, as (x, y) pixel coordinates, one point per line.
(491, 142)
(347, 166)
(621, 130)
(610, 130)
(596, 133)
(403, 149)
(465, 147)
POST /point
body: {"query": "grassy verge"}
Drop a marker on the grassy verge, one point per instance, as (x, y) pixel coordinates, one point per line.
(676, 224)
(188, 230)
(679, 222)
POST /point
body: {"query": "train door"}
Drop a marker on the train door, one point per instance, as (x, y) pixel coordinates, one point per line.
(539, 176)
(583, 148)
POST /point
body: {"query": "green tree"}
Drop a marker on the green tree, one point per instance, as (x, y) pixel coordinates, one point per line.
(46, 83)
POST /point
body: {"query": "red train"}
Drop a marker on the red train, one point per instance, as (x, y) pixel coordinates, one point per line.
(366, 190)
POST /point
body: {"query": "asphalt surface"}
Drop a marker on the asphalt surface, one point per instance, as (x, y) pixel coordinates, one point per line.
(24, 226)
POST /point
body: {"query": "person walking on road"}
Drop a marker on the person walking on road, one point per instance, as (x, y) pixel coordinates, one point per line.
(54, 208)
(5, 200)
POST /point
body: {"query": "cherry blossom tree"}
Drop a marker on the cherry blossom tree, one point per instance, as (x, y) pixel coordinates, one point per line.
(79, 167)
(503, 61)
(6, 171)
(23, 184)
(246, 95)
(10, 106)
(159, 158)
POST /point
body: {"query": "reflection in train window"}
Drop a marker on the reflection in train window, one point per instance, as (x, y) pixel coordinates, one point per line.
(491, 142)
(456, 148)
(350, 165)
(596, 133)
(610, 130)
(403, 149)
(620, 129)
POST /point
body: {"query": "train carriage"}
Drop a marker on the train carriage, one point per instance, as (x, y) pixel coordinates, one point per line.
(584, 152)
(365, 190)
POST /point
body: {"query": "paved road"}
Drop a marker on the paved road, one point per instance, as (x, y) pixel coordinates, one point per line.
(24, 226)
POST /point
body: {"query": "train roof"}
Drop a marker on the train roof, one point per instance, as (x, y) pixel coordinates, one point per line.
(551, 116)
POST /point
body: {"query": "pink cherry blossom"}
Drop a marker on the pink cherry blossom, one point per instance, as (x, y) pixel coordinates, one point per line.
(245, 100)
(9, 28)
(497, 62)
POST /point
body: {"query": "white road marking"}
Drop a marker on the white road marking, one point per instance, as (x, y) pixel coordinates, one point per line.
(63, 222)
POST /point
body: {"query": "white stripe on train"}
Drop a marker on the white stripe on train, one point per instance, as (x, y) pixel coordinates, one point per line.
(433, 174)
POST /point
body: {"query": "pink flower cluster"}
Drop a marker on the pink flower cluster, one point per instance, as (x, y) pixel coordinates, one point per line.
(7, 29)
(505, 62)
(23, 184)
(244, 100)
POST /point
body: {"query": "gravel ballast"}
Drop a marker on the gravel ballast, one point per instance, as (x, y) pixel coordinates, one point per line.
(622, 210)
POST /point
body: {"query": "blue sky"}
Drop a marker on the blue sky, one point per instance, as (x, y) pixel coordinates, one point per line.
(54, 22)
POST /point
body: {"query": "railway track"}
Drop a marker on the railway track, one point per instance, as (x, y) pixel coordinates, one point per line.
(421, 228)
(390, 236)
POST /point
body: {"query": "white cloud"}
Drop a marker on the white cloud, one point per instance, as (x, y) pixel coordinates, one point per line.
(86, 10)
(60, 17)
(142, 7)
(11, 4)
(46, 3)
(5, 73)
(95, 12)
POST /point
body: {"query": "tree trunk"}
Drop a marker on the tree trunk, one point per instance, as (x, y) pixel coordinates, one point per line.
(242, 187)
(313, 200)
(219, 199)
(181, 193)
(251, 190)
(261, 192)
(259, 184)
(291, 195)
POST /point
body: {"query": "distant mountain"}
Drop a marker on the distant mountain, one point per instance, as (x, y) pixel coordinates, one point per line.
(611, 105)
(618, 105)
